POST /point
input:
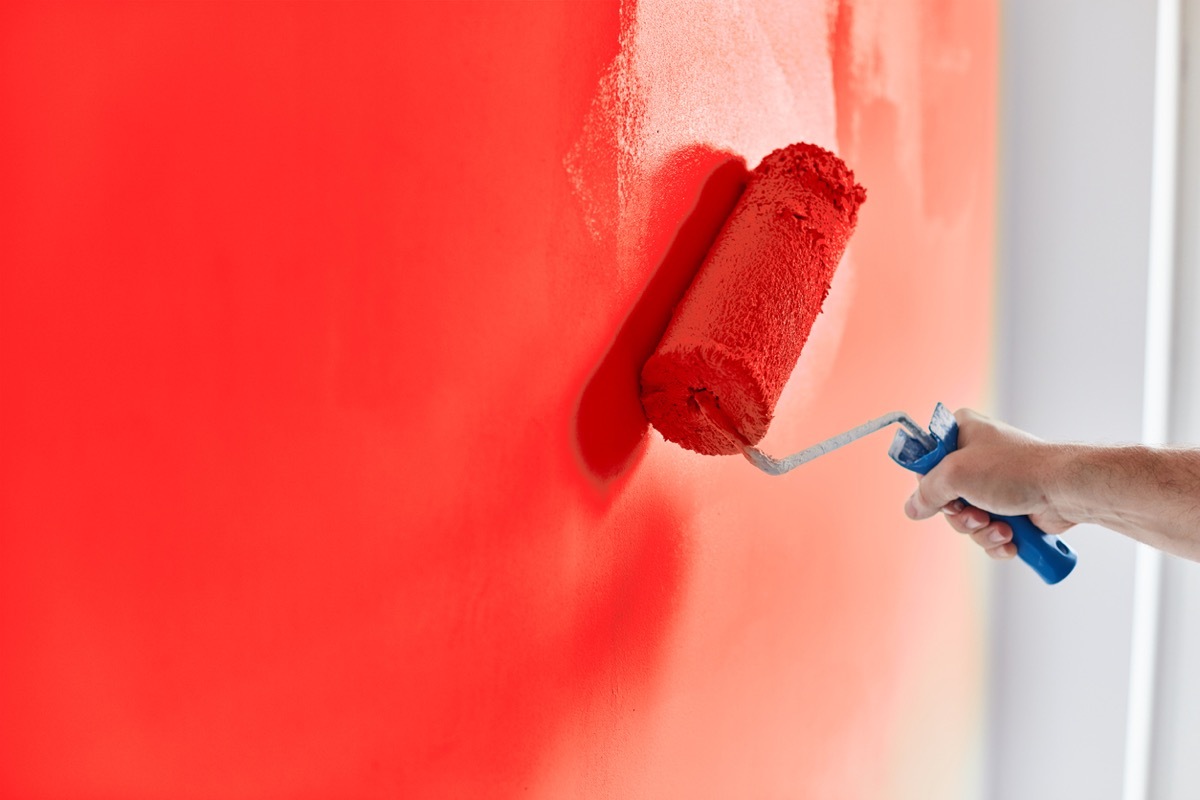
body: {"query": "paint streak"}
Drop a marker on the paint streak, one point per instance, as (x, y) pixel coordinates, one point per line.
(738, 332)
(610, 424)
(815, 586)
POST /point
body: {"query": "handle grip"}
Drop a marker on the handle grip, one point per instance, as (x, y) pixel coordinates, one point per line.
(1049, 556)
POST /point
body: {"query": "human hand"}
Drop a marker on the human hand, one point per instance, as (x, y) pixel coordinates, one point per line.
(998, 468)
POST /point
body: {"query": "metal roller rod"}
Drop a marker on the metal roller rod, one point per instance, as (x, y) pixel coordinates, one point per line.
(773, 466)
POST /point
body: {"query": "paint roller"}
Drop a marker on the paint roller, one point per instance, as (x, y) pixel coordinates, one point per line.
(735, 337)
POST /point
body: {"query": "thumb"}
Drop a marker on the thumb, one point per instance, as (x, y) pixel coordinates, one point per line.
(933, 492)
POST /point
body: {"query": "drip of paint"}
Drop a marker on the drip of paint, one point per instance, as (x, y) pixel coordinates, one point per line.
(736, 335)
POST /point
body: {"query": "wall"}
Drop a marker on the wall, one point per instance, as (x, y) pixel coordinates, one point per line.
(1077, 113)
(301, 491)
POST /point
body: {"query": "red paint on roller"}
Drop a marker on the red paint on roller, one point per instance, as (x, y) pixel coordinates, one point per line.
(712, 384)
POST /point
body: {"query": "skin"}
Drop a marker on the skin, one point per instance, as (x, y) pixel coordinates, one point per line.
(1149, 494)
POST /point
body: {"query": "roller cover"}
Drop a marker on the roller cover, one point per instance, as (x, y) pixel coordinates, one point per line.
(735, 337)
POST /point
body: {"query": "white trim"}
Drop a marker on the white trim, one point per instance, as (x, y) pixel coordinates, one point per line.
(1156, 392)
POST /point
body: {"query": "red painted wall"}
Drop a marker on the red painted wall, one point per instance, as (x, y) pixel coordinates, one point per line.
(319, 469)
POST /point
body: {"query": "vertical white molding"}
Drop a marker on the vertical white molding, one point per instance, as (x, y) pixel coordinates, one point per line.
(1156, 406)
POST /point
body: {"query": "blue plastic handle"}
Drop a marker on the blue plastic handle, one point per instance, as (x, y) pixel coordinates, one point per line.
(1048, 555)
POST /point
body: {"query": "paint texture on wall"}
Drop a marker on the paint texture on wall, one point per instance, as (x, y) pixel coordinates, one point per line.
(320, 471)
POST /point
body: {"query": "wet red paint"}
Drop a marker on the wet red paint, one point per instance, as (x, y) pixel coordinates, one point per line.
(289, 346)
(738, 331)
(298, 304)
(610, 423)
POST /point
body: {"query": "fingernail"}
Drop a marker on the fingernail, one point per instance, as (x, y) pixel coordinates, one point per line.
(975, 523)
(910, 508)
(954, 507)
(997, 537)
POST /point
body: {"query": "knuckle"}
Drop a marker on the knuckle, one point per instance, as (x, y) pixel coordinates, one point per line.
(998, 553)
(956, 523)
(979, 518)
(965, 414)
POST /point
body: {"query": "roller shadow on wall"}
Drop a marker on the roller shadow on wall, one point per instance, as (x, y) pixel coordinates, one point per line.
(609, 420)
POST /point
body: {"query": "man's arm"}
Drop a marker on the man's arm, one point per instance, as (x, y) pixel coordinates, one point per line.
(1149, 494)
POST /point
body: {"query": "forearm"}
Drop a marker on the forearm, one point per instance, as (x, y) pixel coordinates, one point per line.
(1149, 494)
